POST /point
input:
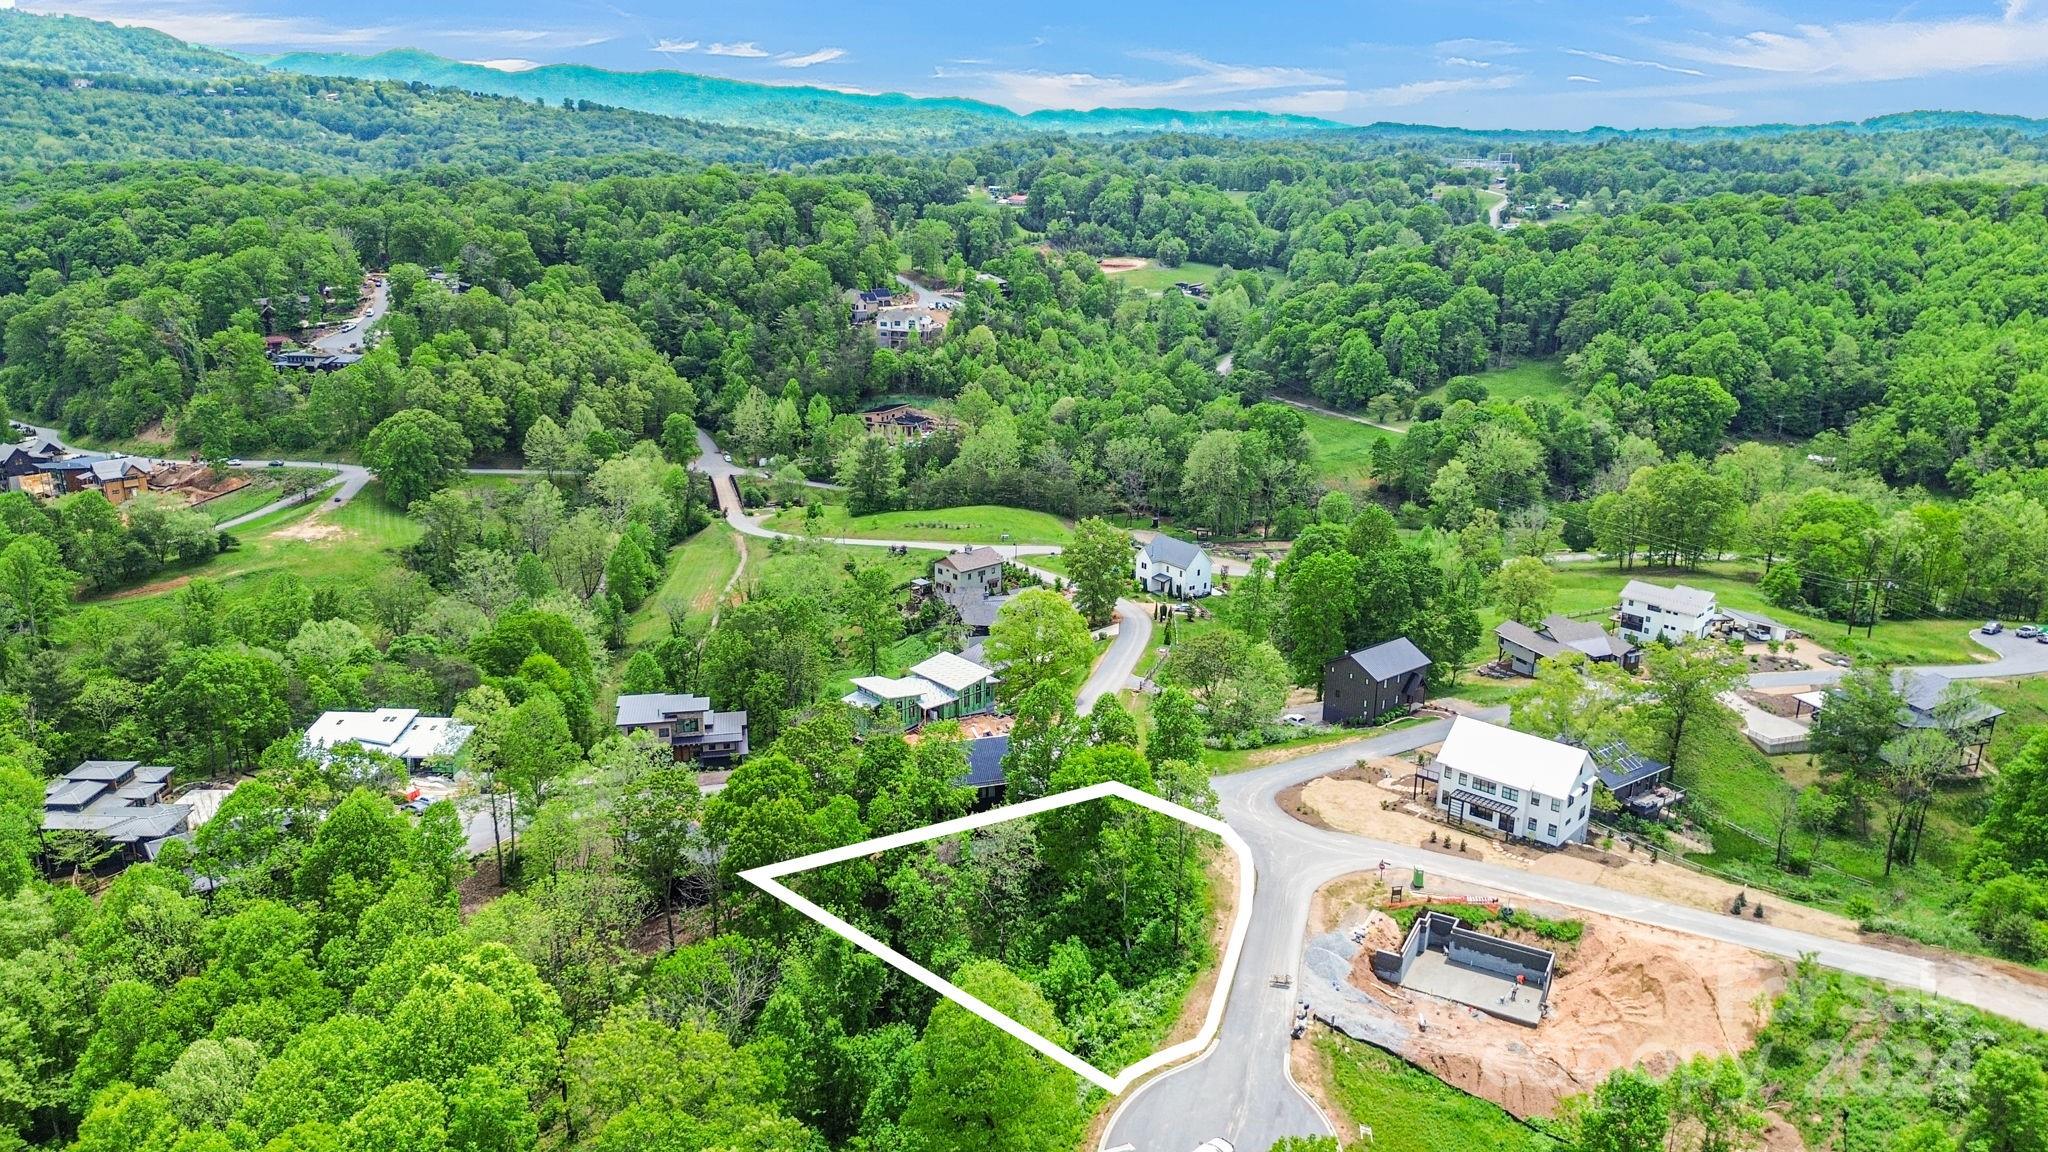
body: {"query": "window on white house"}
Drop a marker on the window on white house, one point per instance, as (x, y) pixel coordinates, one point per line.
(1553, 805)
(1507, 793)
(1486, 786)
(1532, 823)
(1551, 831)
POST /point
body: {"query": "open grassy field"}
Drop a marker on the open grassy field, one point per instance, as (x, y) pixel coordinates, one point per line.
(1589, 590)
(1343, 448)
(1154, 278)
(349, 546)
(969, 524)
(1539, 379)
(264, 488)
(697, 571)
(1412, 1111)
(1737, 793)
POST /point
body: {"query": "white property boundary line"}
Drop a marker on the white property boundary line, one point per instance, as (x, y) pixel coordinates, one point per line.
(767, 878)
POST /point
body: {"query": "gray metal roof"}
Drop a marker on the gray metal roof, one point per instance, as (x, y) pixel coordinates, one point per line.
(1172, 551)
(972, 560)
(1679, 598)
(985, 762)
(1922, 692)
(641, 708)
(1396, 657)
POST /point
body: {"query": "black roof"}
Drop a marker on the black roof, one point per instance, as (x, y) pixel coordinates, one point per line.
(1620, 766)
(985, 762)
(1396, 657)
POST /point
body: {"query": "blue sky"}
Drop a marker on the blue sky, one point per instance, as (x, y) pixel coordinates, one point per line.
(1498, 64)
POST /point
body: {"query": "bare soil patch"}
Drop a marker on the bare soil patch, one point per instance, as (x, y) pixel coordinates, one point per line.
(152, 588)
(1346, 803)
(1111, 265)
(312, 528)
(1626, 995)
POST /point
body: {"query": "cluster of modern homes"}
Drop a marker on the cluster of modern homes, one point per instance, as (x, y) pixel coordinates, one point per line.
(42, 467)
(128, 805)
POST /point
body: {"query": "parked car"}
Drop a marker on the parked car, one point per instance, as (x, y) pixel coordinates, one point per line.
(1294, 718)
(1219, 1144)
(727, 457)
(2026, 631)
(1992, 628)
(235, 463)
(277, 464)
(2042, 638)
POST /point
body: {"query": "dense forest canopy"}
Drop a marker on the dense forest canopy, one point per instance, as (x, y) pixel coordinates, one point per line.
(1821, 350)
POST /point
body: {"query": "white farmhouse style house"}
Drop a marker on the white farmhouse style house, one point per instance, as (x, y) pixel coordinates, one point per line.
(1167, 566)
(1653, 612)
(1524, 785)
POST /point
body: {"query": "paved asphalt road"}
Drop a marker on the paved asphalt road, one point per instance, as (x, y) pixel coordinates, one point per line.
(2013, 657)
(350, 338)
(1241, 1090)
(1112, 670)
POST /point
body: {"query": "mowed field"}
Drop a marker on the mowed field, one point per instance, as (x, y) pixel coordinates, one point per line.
(1343, 448)
(968, 524)
(698, 569)
(1530, 379)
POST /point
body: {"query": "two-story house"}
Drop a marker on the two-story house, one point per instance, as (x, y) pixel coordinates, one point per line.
(119, 801)
(687, 724)
(1524, 785)
(1370, 682)
(900, 326)
(1653, 612)
(1168, 566)
(942, 687)
(401, 733)
(977, 570)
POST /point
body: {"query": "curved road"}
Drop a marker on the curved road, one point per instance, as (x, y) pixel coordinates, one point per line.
(1241, 1090)
(1113, 669)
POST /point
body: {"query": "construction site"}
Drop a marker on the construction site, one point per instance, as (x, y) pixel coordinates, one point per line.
(1519, 1017)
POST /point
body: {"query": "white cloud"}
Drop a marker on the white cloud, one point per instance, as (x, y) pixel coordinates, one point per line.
(1582, 79)
(220, 27)
(510, 64)
(1419, 91)
(1471, 46)
(4, 4)
(1466, 62)
(2014, 9)
(745, 49)
(1610, 58)
(1203, 83)
(674, 47)
(821, 56)
(1867, 50)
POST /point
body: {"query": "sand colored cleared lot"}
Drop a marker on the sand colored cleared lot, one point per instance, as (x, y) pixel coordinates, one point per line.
(1348, 802)
(1626, 995)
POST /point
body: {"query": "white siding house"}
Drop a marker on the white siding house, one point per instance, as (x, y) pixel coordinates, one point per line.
(1525, 785)
(1653, 612)
(1171, 567)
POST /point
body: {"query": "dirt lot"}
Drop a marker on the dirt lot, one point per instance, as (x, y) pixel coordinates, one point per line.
(1626, 995)
(1115, 264)
(311, 528)
(1349, 801)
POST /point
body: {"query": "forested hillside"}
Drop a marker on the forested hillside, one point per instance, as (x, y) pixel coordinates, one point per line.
(1808, 366)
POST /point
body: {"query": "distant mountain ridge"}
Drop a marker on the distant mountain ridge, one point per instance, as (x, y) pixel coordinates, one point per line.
(822, 115)
(803, 109)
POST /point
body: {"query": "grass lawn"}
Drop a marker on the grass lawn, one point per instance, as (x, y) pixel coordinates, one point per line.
(349, 546)
(1738, 790)
(1540, 379)
(970, 524)
(263, 488)
(1155, 278)
(1410, 1110)
(1343, 448)
(2026, 713)
(697, 571)
(1592, 589)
